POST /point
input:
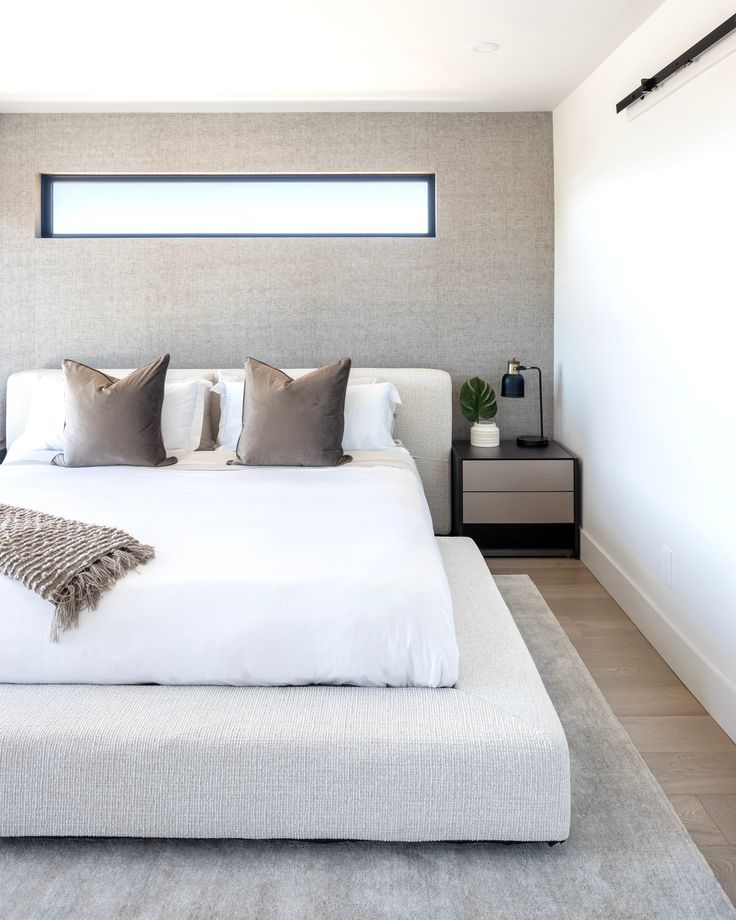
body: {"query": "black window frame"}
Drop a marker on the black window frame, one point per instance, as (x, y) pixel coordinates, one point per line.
(49, 179)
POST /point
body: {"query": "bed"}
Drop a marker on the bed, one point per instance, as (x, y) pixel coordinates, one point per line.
(485, 759)
(292, 585)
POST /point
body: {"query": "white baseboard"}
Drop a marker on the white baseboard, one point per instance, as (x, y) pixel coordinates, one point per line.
(704, 680)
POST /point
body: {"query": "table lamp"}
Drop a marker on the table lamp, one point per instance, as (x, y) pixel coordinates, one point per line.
(512, 386)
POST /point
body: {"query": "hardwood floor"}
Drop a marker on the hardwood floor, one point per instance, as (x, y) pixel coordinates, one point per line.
(691, 756)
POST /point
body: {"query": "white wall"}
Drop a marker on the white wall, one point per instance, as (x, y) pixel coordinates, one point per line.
(645, 343)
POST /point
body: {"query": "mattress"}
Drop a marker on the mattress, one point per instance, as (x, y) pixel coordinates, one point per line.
(262, 576)
(484, 760)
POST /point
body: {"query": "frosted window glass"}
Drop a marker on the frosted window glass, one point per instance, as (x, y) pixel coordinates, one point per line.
(102, 206)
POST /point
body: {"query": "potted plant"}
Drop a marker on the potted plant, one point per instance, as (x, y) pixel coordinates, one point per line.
(478, 404)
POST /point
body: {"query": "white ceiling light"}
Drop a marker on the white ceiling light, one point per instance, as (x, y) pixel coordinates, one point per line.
(485, 47)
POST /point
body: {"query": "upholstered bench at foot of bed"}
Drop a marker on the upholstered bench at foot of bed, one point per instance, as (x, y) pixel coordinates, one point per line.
(486, 760)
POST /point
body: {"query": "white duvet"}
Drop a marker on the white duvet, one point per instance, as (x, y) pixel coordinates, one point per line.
(262, 576)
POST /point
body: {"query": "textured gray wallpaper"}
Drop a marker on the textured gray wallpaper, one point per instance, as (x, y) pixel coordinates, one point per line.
(478, 294)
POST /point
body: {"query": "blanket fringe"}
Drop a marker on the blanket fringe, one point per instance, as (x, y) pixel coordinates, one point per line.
(85, 589)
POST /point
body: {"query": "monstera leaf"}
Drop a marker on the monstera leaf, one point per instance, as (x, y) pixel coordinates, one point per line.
(477, 400)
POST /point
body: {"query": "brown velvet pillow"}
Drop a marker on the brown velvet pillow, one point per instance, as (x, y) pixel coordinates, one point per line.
(289, 422)
(111, 422)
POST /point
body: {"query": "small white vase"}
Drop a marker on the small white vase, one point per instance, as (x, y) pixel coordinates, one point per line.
(485, 433)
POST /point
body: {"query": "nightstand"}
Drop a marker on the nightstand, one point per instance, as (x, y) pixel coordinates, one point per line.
(515, 501)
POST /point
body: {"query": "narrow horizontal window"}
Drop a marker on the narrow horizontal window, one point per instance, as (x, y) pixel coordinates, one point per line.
(311, 205)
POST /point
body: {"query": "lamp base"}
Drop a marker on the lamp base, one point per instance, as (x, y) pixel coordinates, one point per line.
(532, 440)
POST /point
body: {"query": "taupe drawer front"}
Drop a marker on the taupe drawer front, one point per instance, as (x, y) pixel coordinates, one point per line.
(518, 476)
(518, 507)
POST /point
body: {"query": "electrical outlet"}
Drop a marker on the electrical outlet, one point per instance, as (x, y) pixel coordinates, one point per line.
(667, 565)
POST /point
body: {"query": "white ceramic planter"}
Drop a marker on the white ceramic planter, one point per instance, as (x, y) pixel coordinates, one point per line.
(485, 434)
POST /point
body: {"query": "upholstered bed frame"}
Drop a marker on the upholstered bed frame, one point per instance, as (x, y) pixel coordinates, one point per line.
(484, 760)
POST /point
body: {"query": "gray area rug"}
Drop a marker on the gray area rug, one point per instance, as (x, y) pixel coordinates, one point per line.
(628, 856)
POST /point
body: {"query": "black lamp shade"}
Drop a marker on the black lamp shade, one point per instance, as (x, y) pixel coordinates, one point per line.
(512, 385)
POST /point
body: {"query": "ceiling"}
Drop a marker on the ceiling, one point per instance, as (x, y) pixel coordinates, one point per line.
(304, 55)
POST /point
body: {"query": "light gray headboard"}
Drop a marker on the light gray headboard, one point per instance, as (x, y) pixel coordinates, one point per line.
(423, 421)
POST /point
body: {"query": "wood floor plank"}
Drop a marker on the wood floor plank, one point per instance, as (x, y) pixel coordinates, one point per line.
(679, 773)
(584, 634)
(598, 649)
(722, 861)
(722, 809)
(573, 580)
(643, 676)
(592, 610)
(513, 566)
(560, 590)
(653, 701)
(695, 817)
(676, 733)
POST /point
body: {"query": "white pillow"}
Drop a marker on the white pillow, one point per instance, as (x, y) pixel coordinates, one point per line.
(369, 416)
(181, 418)
(230, 392)
(369, 413)
(182, 415)
(45, 423)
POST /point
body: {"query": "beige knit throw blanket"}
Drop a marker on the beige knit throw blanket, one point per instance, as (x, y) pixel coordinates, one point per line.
(66, 562)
